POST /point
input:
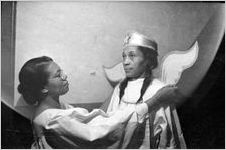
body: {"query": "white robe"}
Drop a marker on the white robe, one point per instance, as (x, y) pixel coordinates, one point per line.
(127, 125)
(162, 127)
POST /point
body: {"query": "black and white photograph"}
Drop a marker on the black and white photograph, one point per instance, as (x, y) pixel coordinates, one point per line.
(112, 74)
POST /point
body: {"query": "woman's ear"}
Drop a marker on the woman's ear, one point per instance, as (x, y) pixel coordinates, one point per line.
(44, 91)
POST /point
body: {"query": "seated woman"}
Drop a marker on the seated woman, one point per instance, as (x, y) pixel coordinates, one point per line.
(58, 125)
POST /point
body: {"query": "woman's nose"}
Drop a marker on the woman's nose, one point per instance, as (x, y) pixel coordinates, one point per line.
(126, 61)
(63, 76)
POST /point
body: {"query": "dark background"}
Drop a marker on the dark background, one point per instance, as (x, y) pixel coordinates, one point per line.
(203, 122)
(202, 115)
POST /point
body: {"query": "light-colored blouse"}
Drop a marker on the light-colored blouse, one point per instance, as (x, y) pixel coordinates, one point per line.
(71, 127)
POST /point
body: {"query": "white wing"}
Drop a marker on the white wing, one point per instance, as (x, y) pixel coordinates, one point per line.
(176, 62)
(115, 73)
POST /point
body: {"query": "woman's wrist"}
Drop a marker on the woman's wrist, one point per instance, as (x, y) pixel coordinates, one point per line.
(141, 110)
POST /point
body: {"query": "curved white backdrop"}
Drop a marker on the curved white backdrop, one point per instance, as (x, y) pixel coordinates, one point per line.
(82, 37)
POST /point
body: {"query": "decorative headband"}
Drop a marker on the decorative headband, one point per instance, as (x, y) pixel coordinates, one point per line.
(137, 39)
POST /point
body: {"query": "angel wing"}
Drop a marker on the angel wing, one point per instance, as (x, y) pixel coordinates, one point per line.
(174, 63)
(115, 74)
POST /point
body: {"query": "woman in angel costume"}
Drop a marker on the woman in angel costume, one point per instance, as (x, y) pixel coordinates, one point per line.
(140, 114)
(160, 127)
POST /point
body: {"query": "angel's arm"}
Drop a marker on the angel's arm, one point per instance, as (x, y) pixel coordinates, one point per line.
(166, 95)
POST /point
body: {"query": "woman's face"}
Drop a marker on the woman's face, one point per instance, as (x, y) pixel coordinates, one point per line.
(133, 62)
(57, 83)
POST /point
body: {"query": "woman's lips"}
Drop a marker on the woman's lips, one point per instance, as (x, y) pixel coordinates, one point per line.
(66, 84)
(128, 69)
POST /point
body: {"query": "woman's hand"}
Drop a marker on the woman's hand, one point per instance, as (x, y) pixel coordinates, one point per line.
(166, 95)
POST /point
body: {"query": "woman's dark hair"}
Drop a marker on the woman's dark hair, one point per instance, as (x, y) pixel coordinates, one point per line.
(152, 57)
(33, 77)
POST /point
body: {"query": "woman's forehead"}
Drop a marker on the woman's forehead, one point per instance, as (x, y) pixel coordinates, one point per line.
(53, 67)
(129, 49)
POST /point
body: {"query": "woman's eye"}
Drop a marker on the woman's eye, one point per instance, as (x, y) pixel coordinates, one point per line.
(57, 75)
(131, 55)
